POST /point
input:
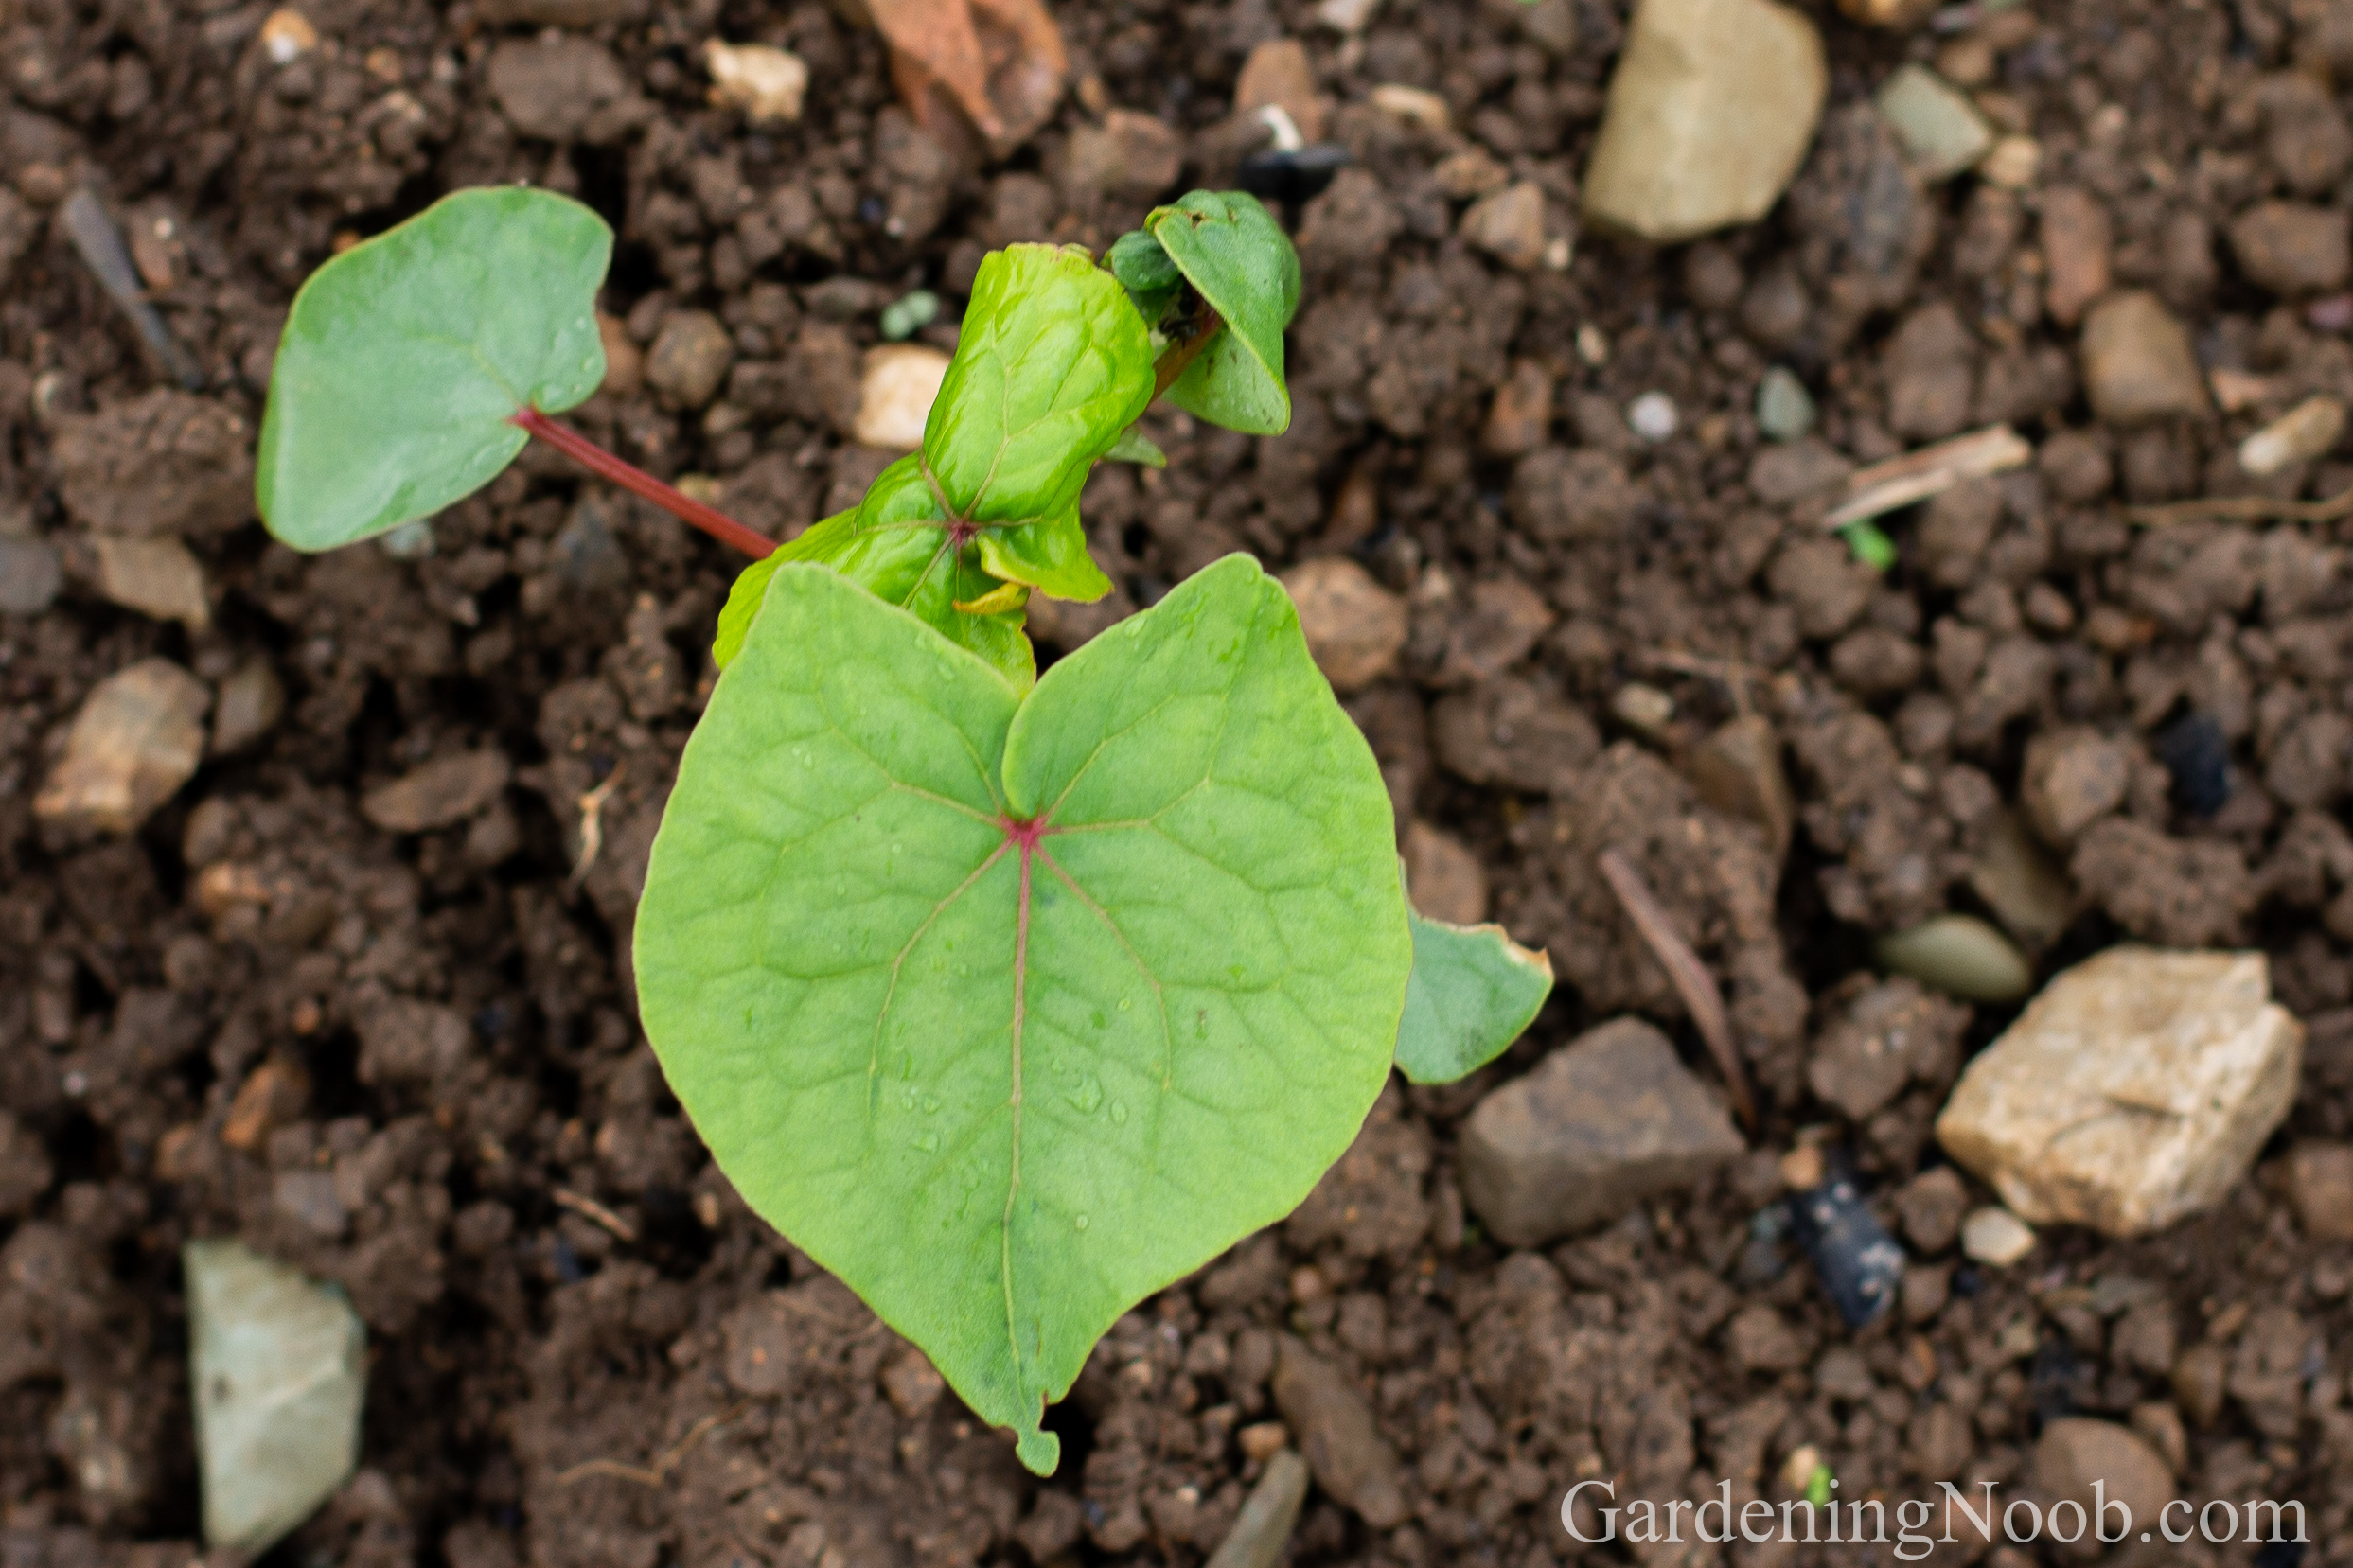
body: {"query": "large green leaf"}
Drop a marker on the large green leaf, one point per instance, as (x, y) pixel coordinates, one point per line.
(404, 358)
(1052, 364)
(1474, 991)
(1010, 1011)
(1237, 258)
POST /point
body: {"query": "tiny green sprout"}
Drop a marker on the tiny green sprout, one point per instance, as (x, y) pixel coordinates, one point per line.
(1869, 545)
(1010, 997)
(908, 314)
(1818, 1486)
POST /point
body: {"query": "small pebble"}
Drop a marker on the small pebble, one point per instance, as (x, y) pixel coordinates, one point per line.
(411, 541)
(2333, 313)
(1994, 1236)
(2013, 163)
(30, 575)
(1653, 416)
(1414, 105)
(1593, 345)
(767, 84)
(1643, 708)
(1960, 955)
(286, 35)
(1785, 410)
(2304, 432)
(896, 393)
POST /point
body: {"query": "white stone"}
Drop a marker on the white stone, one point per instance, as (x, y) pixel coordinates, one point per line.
(1711, 111)
(896, 393)
(766, 83)
(278, 1371)
(1653, 416)
(2135, 1090)
(2304, 432)
(1994, 1235)
(136, 740)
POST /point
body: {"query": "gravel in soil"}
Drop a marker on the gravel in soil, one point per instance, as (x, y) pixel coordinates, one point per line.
(357, 990)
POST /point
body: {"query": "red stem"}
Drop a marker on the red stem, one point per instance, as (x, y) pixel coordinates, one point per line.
(636, 479)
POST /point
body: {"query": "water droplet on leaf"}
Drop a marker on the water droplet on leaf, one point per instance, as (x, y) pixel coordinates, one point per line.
(1082, 1222)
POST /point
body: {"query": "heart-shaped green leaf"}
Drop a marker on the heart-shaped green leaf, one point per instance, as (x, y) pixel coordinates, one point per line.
(1053, 364)
(1011, 1010)
(1474, 991)
(404, 358)
(1239, 260)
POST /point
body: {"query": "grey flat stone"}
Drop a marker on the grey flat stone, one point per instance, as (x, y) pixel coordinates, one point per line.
(279, 1372)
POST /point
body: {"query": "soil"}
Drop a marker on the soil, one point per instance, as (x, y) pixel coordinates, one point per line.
(584, 1351)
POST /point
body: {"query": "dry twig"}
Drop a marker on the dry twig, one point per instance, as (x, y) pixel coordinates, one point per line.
(1915, 476)
(595, 1213)
(2245, 509)
(593, 824)
(658, 1471)
(1693, 981)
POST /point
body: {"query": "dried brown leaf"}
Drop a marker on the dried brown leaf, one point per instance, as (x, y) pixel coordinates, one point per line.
(999, 64)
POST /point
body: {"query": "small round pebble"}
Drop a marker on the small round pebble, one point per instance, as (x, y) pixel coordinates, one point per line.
(1785, 409)
(1653, 416)
(1993, 1234)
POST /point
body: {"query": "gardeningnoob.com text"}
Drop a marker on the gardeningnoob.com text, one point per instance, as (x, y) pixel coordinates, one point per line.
(1919, 1526)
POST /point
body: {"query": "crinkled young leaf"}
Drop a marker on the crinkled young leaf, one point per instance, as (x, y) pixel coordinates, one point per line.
(1474, 991)
(404, 358)
(1050, 556)
(1052, 364)
(1237, 258)
(897, 547)
(1010, 1011)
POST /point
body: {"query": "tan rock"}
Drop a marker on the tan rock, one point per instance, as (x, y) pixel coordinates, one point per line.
(1994, 1236)
(1446, 879)
(1354, 625)
(2070, 779)
(136, 740)
(2077, 243)
(689, 358)
(2091, 1463)
(1521, 413)
(1603, 1123)
(158, 577)
(1414, 105)
(1337, 1435)
(1509, 225)
(444, 791)
(2138, 366)
(1711, 111)
(2292, 249)
(1132, 156)
(252, 700)
(2134, 1090)
(2319, 1183)
(1278, 75)
(894, 395)
(766, 83)
(625, 363)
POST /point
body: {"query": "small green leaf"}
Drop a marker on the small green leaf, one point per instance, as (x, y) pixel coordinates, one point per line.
(1868, 545)
(404, 358)
(1239, 260)
(1010, 1011)
(1142, 265)
(1134, 447)
(1474, 990)
(1050, 556)
(1051, 365)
